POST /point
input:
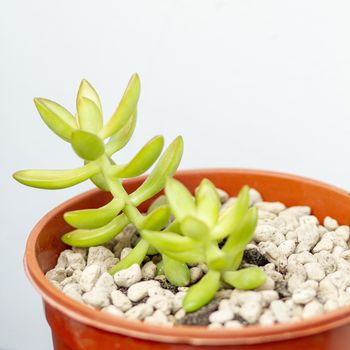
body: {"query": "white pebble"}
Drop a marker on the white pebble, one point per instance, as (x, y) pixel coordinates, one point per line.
(330, 224)
(139, 312)
(221, 316)
(128, 277)
(140, 290)
(120, 300)
(125, 252)
(267, 318)
(98, 254)
(111, 309)
(312, 309)
(251, 311)
(73, 290)
(97, 298)
(254, 196)
(296, 211)
(158, 317)
(280, 311)
(315, 271)
(196, 274)
(303, 296)
(89, 277)
(287, 248)
(233, 324)
(148, 270)
(273, 207)
(343, 232)
(161, 303)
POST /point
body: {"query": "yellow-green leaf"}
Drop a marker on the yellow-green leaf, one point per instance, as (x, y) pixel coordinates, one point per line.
(125, 109)
(177, 273)
(143, 160)
(195, 228)
(166, 166)
(245, 279)
(56, 117)
(89, 115)
(180, 199)
(55, 179)
(156, 219)
(86, 145)
(119, 139)
(87, 90)
(94, 218)
(97, 236)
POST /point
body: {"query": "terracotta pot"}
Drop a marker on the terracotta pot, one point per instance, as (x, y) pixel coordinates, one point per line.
(75, 326)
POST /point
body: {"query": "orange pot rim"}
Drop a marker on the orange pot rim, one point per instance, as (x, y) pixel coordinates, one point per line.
(195, 335)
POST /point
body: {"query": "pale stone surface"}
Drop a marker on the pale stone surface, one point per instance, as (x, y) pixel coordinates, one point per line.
(128, 277)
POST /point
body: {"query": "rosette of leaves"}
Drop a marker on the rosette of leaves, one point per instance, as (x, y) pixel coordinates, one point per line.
(198, 232)
(95, 143)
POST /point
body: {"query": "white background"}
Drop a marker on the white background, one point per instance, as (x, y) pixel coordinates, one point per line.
(262, 84)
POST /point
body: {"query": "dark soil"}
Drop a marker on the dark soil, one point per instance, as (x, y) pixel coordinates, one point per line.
(252, 256)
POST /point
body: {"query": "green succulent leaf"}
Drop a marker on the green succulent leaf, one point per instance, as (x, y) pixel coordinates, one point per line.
(202, 292)
(56, 117)
(125, 109)
(180, 199)
(232, 216)
(87, 145)
(94, 218)
(193, 256)
(136, 256)
(156, 219)
(143, 160)
(87, 90)
(166, 166)
(160, 268)
(240, 237)
(161, 201)
(97, 236)
(55, 179)
(89, 115)
(99, 180)
(208, 202)
(177, 273)
(121, 137)
(169, 241)
(195, 228)
(216, 259)
(245, 279)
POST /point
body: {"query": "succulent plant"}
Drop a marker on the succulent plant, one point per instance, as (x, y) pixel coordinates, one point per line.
(198, 231)
(87, 134)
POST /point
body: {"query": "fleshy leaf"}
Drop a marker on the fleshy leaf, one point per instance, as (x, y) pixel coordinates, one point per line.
(166, 166)
(156, 219)
(180, 199)
(208, 202)
(202, 292)
(232, 216)
(56, 117)
(97, 236)
(216, 259)
(177, 273)
(245, 279)
(136, 256)
(125, 109)
(242, 235)
(55, 179)
(143, 160)
(168, 241)
(195, 228)
(87, 90)
(121, 137)
(161, 201)
(87, 145)
(194, 256)
(89, 115)
(94, 218)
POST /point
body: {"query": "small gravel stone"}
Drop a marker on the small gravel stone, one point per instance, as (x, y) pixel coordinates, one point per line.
(254, 196)
(158, 317)
(303, 296)
(312, 309)
(330, 224)
(196, 274)
(73, 290)
(273, 207)
(89, 277)
(120, 300)
(128, 277)
(233, 324)
(161, 303)
(267, 318)
(56, 274)
(223, 195)
(111, 309)
(139, 290)
(296, 211)
(280, 311)
(125, 252)
(221, 316)
(315, 271)
(343, 232)
(148, 270)
(97, 298)
(98, 255)
(139, 312)
(251, 311)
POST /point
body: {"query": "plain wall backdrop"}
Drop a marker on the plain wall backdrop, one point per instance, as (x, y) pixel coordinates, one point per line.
(261, 84)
